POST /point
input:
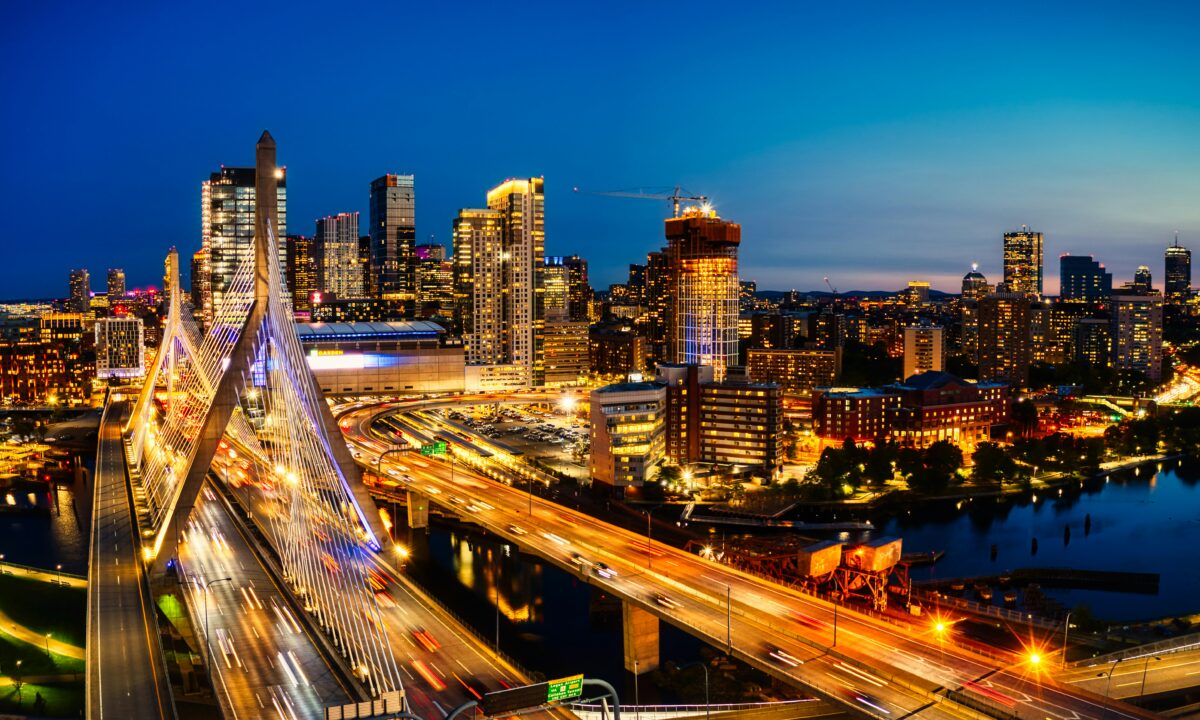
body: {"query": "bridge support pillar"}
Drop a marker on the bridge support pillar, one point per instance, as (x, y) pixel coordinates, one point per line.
(640, 630)
(418, 510)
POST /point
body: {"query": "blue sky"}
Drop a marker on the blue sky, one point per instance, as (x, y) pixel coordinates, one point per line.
(871, 142)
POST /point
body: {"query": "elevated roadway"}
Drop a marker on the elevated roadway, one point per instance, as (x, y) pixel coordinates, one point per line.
(874, 668)
(126, 676)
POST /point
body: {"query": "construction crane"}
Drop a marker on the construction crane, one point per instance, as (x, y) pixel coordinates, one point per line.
(832, 289)
(675, 197)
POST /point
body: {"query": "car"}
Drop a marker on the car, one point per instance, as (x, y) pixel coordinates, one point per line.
(783, 657)
(604, 571)
(517, 530)
(665, 601)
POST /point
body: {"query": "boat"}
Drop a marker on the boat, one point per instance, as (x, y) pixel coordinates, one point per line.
(958, 586)
(983, 591)
(1010, 597)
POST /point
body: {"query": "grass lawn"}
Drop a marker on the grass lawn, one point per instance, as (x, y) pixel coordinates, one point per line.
(59, 700)
(33, 659)
(46, 608)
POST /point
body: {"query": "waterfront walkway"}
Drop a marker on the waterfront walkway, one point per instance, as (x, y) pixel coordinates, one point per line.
(48, 576)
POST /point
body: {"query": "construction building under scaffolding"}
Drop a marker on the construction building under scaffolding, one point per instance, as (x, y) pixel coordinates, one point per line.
(869, 571)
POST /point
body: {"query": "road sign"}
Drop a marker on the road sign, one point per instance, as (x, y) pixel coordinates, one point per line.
(501, 702)
(564, 688)
(434, 448)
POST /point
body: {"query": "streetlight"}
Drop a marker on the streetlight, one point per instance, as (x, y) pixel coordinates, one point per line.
(176, 520)
(2, 570)
(1066, 629)
(207, 638)
(52, 659)
(1145, 669)
(649, 550)
(704, 666)
(58, 570)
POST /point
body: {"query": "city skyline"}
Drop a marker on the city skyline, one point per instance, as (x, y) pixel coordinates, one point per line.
(1090, 148)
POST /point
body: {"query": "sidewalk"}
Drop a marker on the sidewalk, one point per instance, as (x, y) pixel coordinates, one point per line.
(49, 576)
(38, 640)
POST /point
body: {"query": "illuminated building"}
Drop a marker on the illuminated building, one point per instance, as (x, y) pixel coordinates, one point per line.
(969, 321)
(227, 230)
(430, 251)
(924, 348)
(1137, 329)
(512, 272)
(682, 383)
(703, 288)
(741, 423)
(393, 218)
(120, 348)
(637, 284)
(200, 289)
(1004, 338)
(1023, 262)
(579, 291)
(747, 295)
(357, 309)
(301, 271)
(1093, 342)
(1052, 330)
(857, 414)
(772, 330)
(1177, 278)
(556, 295)
(797, 371)
(1082, 279)
(116, 284)
(81, 290)
(658, 306)
(616, 350)
(382, 357)
(939, 406)
(338, 271)
(628, 429)
(974, 284)
(435, 282)
(918, 292)
(566, 350)
(66, 327)
(1142, 284)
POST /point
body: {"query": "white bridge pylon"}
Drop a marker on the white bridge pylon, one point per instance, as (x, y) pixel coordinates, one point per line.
(247, 378)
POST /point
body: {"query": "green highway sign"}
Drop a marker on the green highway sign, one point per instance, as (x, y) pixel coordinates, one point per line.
(434, 448)
(564, 688)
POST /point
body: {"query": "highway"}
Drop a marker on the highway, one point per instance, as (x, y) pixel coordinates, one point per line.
(876, 668)
(1136, 676)
(125, 672)
(444, 663)
(264, 664)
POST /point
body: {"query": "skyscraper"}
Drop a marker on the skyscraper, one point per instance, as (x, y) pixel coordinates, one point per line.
(301, 270)
(1082, 279)
(1004, 338)
(393, 237)
(556, 295)
(1177, 276)
(658, 306)
(1023, 261)
(200, 288)
(120, 350)
(478, 285)
(521, 204)
(1143, 282)
(227, 230)
(1137, 333)
(81, 290)
(703, 287)
(339, 273)
(116, 284)
(974, 284)
(579, 291)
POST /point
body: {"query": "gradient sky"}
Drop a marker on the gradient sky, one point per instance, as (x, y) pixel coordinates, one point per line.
(871, 142)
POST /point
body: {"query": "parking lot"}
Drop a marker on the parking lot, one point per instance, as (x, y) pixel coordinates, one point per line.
(551, 437)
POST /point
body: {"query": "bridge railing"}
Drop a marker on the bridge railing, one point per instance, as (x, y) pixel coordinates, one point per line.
(591, 711)
(7, 568)
(1181, 643)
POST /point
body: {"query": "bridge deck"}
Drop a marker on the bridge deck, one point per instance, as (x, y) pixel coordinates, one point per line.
(126, 676)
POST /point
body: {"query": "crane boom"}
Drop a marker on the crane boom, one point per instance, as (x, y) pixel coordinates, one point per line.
(675, 197)
(832, 289)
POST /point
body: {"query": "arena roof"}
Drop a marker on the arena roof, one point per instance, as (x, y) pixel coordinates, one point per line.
(317, 332)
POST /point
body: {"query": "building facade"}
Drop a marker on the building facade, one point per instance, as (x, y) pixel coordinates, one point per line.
(702, 251)
(741, 423)
(796, 371)
(566, 351)
(1082, 279)
(1177, 276)
(628, 430)
(339, 273)
(301, 271)
(858, 414)
(80, 288)
(1005, 338)
(974, 285)
(939, 406)
(116, 284)
(227, 231)
(616, 350)
(120, 348)
(924, 348)
(393, 217)
(1137, 327)
(1023, 265)
(520, 208)
(361, 358)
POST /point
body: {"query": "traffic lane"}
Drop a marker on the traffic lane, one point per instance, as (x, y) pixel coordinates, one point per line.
(261, 656)
(123, 631)
(968, 668)
(1163, 672)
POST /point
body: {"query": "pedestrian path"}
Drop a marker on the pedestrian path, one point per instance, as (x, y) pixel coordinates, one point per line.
(48, 576)
(11, 628)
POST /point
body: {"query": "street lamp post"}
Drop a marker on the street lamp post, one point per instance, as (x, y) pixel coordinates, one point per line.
(1066, 629)
(649, 555)
(207, 638)
(2, 570)
(1145, 669)
(835, 619)
(58, 572)
(704, 667)
(52, 659)
(729, 619)
(1108, 683)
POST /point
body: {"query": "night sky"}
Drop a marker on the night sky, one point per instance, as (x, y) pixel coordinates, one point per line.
(871, 142)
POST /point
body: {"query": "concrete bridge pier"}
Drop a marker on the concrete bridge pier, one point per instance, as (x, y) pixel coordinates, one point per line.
(640, 631)
(418, 510)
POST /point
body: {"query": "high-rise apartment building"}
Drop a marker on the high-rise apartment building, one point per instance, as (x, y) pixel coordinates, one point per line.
(521, 205)
(1093, 342)
(338, 270)
(1004, 338)
(574, 271)
(435, 282)
(393, 237)
(120, 348)
(974, 284)
(703, 289)
(637, 284)
(565, 352)
(1177, 276)
(301, 271)
(1082, 279)
(1137, 328)
(924, 348)
(116, 284)
(658, 307)
(80, 286)
(1023, 262)
(227, 231)
(478, 285)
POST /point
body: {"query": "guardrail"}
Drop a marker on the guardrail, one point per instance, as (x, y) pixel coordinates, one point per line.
(1190, 641)
(6, 567)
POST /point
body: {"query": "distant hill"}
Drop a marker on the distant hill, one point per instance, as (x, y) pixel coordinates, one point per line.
(780, 294)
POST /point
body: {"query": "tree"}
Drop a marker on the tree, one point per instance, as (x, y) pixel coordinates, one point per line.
(668, 475)
(1024, 416)
(993, 464)
(943, 457)
(880, 464)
